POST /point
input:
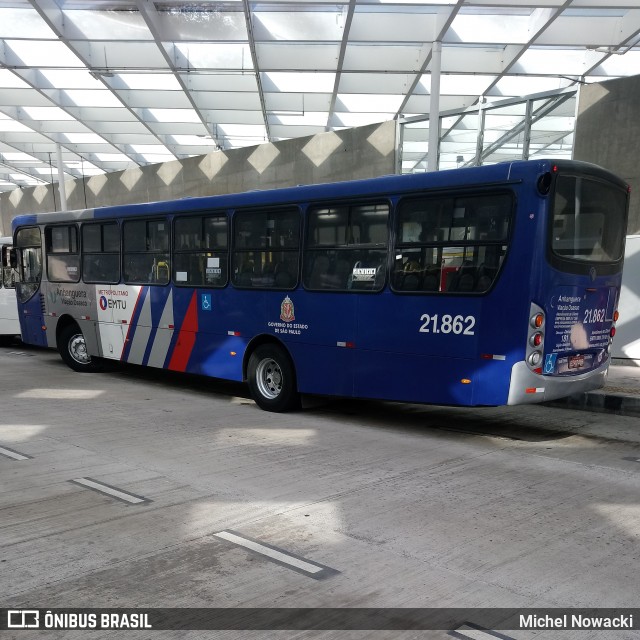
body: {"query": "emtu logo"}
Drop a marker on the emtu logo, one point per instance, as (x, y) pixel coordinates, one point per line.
(103, 303)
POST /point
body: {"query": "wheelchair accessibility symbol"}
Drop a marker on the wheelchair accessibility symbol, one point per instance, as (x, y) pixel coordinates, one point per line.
(205, 302)
(550, 362)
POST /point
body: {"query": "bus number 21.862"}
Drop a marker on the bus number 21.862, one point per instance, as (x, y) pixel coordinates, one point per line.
(459, 325)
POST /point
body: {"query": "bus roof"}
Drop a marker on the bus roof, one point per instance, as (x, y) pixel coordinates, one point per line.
(370, 187)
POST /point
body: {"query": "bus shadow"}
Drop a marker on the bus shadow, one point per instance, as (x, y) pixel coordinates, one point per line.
(500, 422)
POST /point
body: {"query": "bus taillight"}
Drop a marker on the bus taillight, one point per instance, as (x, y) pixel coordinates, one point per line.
(537, 320)
(616, 315)
(535, 358)
(535, 338)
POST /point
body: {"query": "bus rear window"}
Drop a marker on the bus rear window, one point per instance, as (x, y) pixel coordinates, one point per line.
(588, 220)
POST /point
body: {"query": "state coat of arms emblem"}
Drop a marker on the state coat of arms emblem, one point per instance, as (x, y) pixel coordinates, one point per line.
(287, 312)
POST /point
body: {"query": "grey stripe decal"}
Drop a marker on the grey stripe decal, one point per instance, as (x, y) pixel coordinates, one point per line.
(142, 332)
(162, 341)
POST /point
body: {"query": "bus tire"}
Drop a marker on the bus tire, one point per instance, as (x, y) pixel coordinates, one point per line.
(73, 350)
(272, 379)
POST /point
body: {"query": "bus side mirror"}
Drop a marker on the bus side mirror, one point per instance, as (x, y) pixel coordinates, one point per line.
(13, 258)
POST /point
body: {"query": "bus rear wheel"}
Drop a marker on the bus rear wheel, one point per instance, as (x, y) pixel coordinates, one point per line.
(272, 379)
(73, 350)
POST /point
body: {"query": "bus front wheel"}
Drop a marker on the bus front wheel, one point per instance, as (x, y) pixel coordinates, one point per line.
(272, 379)
(73, 350)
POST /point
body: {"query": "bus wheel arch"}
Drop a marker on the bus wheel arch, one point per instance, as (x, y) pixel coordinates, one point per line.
(72, 346)
(270, 372)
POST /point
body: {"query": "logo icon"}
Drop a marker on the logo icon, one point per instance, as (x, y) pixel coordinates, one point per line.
(23, 619)
(205, 302)
(287, 311)
(103, 303)
(592, 274)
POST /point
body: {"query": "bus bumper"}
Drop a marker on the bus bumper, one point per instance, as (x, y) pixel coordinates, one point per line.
(527, 387)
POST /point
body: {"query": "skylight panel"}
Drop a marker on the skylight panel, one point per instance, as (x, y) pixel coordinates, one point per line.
(44, 53)
(154, 158)
(9, 80)
(151, 81)
(47, 113)
(174, 115)
(197, 55)
(625, 65)
(454, 84)
(84, 138)
(490, 29)
(360, 119)
(562, 61)
(23, 23)
(523, 85)
(92, 171)
(312, 118)
(243, 135)
(194, 141)
(27, 180)
(303, 82)
(89, 98)
(327, 25)
(157, 149)
(109, 25)
(9, 124)
(112, 157)
(16, 157)
(67, 79)
(369, 102)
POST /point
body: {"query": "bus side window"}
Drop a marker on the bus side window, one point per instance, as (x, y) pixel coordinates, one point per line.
(346, 248)
(62, 251)
(266, 249)
(146, 251)
(101, 252)
(200, 254)
(451, 244)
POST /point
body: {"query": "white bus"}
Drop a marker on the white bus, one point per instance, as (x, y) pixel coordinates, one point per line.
(9, 324)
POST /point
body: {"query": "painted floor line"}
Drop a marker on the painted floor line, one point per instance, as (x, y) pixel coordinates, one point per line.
(108, 490)
(279, 556)
(470, 631)
(14, 455)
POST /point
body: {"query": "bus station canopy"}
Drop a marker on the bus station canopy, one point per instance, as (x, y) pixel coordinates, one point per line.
(115, 84)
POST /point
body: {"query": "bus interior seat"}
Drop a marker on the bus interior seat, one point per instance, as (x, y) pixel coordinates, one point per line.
(430, 282)
(282, 278)
(465, 279)
(319, 271)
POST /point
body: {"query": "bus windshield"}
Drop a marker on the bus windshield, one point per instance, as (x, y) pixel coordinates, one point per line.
(588, 220)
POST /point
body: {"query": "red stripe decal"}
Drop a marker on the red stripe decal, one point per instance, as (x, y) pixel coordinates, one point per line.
(186, 338)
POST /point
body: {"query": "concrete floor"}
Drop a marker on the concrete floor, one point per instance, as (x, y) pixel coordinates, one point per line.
(379, 505)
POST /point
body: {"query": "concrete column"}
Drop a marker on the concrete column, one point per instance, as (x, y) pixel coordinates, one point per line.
(61, 189)
(434, 112)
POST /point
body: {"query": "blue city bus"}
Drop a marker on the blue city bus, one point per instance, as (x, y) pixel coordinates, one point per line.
(489, 285)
